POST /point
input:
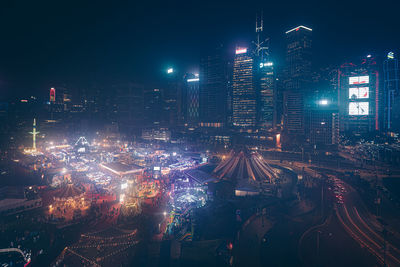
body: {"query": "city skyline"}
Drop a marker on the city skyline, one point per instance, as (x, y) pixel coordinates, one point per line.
(74, 52)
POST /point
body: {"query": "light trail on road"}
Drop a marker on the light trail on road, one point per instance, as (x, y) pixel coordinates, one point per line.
(357, 227)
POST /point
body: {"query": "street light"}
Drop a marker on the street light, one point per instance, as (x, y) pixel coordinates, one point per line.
(170, 70)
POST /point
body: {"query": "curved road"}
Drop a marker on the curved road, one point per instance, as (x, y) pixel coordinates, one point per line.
(362, 227)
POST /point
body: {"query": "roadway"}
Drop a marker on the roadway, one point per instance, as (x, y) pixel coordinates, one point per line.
(364, 227)
(354, 217)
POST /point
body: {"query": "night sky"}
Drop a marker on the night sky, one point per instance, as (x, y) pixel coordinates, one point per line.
(51, 42)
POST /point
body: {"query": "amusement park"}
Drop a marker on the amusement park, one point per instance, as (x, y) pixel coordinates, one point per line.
(102, 183)
(102, 200)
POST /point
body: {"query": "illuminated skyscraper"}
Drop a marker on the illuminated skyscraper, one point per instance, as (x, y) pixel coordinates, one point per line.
(265, 79)
(359, 97)
(391, 81)
(298, 56)
(266, 87)
(172, 97)
(298, 78)
(243, 89)
(190, 102)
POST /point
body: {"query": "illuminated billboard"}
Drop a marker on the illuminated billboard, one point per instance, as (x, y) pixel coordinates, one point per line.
(266, 64)
(359, 80)
(241, 51)
(358, 108)
(358, 92)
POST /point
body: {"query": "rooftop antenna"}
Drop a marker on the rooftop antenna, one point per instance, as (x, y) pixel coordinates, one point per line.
(262, 47)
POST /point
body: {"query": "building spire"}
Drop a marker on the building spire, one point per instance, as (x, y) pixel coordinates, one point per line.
(262, 46)
(259, 22)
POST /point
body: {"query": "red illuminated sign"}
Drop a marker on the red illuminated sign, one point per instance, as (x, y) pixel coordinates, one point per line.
(52, 95)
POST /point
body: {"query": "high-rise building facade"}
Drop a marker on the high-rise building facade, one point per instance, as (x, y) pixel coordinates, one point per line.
(391, 83)
(321, 110)
(298, 77)
(298, 56)
(213, 86)
(172, 97)
(153, 107)
(322, 121)
(191, 99)
(243, 90)
(359, 97)
(266, 91)
(264, 79)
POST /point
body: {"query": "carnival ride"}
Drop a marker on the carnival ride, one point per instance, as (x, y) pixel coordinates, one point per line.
(69, 203)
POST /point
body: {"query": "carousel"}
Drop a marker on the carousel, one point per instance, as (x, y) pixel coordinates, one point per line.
(69, 203)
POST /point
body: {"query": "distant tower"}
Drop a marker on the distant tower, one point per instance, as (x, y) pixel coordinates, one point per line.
(391, 81)
(191, 99)
(52, 95)
(34, 133)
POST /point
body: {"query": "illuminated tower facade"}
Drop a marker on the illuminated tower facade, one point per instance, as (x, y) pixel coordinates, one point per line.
(359, 97)
(266, 91)
(243, 90)
(264, 79)
(191, 99)
(391, 92)
(298, 77)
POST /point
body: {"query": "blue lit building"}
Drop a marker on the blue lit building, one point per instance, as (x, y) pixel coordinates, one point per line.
(391, 92)
(266, 94)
